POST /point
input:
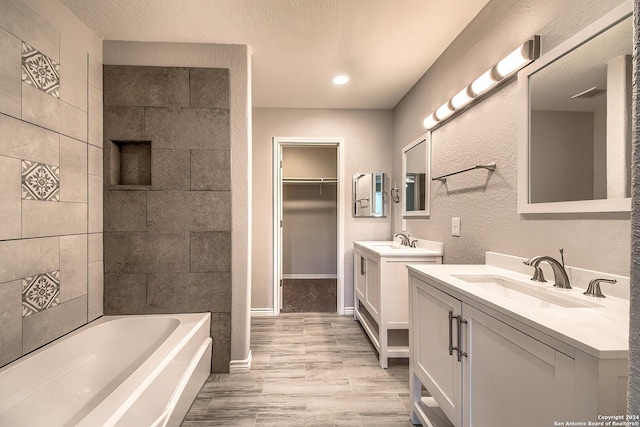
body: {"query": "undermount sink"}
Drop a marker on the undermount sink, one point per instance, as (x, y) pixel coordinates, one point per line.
(389, 245)
(530, 295)
(392, 247)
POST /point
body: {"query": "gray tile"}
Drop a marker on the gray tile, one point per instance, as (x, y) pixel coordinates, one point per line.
(187, 128)
(29, 257)
(95, 290)
(122, 123)
(133, 252)
(125, 211)
(221, 335)
(309, 418)
(308, 386)
(73, 267)
(11, 206)
(24, 23)
(95, 219)
(188, 292)
(295, 382)
(210, 170)
(10, 75)
(44, 110)
(74, 71)
(41, 218)
(170, 169)
(146, 86)
(73, 170)
(125, 293)
(175, 211)
(10, 321)
(95, 247)
(45, 326)
(95, 117)
(384, 402)
(133, 162)
(211, 251)
(25, 141)
(209, 87)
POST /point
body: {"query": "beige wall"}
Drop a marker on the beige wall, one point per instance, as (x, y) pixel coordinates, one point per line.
(488, 132)
(367, 135)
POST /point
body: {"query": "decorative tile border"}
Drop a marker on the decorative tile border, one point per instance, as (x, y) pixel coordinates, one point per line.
(40, 71)
(40, 292)
(40, 181)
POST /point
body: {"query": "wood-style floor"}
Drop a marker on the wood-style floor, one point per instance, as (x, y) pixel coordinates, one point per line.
(308, 369)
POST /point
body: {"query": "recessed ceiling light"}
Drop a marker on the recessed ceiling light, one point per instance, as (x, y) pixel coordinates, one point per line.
(341, 79)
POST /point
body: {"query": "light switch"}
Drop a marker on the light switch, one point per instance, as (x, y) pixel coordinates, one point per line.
(455, 227)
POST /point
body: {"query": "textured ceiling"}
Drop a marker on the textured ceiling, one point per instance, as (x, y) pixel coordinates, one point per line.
(298, 45)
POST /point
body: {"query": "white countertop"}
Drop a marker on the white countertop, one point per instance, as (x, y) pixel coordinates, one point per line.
(388, 249)
(602, 332)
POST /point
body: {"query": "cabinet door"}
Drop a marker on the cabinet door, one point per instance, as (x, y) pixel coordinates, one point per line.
(360, 264)
(373, 288)
(512, 379)
(431, 334)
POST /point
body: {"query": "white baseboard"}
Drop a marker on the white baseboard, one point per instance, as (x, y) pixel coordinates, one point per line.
(348, 311)
(309, 276)
(240, 366)
(261, 312)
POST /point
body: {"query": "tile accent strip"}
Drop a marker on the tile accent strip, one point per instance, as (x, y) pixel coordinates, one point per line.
(40, 181)
(40, 292)
(40, 71)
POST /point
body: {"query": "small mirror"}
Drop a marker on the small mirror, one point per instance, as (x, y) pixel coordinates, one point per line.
(416, 177)
(575, 139)
(368, 195)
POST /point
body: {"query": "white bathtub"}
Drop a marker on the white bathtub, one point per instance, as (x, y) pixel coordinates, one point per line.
(115, 371)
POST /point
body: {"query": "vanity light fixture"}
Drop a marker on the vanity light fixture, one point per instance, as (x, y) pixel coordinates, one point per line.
(341, 79)
(506, 67)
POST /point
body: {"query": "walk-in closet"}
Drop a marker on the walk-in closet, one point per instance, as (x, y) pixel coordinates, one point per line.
(309, 229)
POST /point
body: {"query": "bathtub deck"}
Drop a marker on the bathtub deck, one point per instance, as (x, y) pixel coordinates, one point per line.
(308, 369)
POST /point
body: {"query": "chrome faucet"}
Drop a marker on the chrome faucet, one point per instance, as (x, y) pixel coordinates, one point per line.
(560, 274)
(404, 237)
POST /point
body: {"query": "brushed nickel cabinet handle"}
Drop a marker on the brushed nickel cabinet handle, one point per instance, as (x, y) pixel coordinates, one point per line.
(451, 347)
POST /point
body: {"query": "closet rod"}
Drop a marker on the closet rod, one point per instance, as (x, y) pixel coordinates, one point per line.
(309, 180)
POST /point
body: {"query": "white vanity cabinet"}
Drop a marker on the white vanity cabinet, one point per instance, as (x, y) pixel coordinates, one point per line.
(484, 369)
(381, 295)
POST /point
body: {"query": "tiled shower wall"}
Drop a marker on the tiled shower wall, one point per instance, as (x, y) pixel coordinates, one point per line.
(167, 195)
(51, 269)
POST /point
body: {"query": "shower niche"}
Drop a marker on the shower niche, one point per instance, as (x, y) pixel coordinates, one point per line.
(131, 164)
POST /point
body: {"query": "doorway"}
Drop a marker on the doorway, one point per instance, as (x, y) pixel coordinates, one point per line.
(308, 225)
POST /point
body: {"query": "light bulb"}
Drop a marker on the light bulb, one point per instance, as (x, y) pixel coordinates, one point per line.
(444, 111)
(514, 61)
(461, 99)
(482, 83)
(430, 121)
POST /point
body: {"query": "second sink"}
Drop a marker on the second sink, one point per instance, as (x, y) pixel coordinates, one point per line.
(530, 295)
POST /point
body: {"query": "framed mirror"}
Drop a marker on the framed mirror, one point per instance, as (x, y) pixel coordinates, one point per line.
(574, 151)
(368, 195)
(416, 177)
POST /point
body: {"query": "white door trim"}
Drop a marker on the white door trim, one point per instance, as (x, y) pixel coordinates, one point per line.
(278, 144)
